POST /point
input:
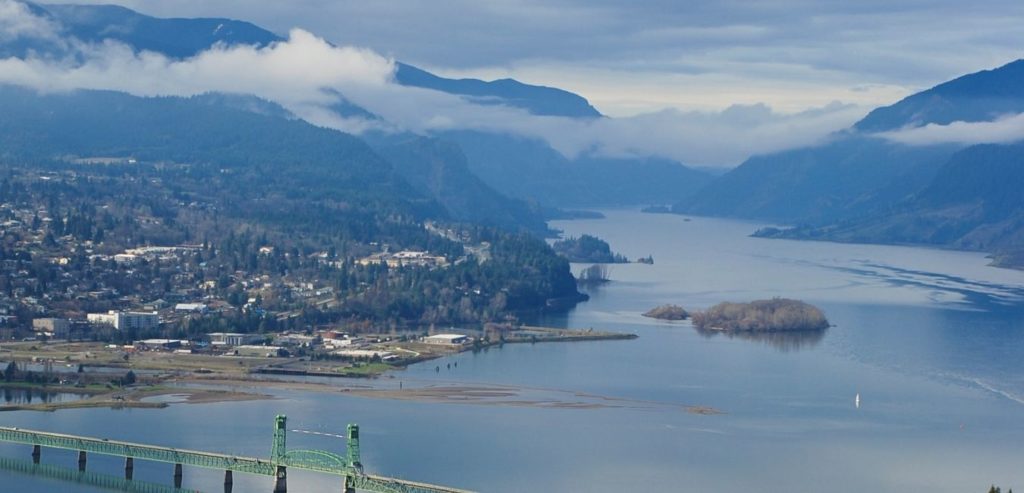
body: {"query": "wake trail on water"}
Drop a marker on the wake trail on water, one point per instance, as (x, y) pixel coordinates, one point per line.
(986, 386)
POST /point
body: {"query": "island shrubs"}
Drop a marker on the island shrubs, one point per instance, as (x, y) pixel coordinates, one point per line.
(668, 312)
(776, 314)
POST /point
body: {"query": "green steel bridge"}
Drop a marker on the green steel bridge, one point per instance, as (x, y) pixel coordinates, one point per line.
(281, 459)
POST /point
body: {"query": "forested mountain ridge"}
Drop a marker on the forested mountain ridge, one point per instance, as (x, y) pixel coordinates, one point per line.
(295, 155)
(186, 37)
(981, 96)
(865, 185)
(439, 169)
(972, 203)
(847, 177)
(538, 100)
(521, 167)
(861, 169)
(530, 169)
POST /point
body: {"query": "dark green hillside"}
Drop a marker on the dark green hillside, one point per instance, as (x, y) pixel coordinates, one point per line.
(289, 154)
(973, 202)
(858, 174)
(531, 169)
(846, 177)
(587, 249)
(438, 169)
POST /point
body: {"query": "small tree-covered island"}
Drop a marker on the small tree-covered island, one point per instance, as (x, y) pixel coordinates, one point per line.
(774, 315)
(588, 249)
(668, 312)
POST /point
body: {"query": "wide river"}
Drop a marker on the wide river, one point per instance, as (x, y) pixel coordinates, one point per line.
(931, 340)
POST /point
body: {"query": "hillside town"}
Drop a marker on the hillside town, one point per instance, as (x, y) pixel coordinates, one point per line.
(63, 277)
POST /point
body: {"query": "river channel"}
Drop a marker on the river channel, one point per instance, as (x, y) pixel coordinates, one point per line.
(931, 340)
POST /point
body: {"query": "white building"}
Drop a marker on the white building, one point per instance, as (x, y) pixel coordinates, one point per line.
(190, 307)
(446, 339)
(364, 354)
(126, 320)
(233, 339)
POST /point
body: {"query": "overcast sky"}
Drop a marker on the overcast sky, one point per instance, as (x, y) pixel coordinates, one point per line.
(631, 57)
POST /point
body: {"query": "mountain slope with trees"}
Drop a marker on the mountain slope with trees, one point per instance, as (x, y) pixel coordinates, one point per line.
(973, 203)
(864, 187)
(860, 170)
(522, 168)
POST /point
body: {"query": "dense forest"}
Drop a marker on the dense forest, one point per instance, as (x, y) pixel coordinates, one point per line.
(588, 249)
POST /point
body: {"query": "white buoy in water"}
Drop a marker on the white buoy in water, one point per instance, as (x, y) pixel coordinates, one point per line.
(856, 401)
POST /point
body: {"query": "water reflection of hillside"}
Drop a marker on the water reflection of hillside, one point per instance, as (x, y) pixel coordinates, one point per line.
(784, 341)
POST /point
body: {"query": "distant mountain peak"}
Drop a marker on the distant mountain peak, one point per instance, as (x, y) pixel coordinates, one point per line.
(174, 37)
(183, 38)
(538, 100)
(980, 96)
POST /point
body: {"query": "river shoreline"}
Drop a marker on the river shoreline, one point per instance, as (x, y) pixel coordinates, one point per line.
(144, 397)
(221, 383)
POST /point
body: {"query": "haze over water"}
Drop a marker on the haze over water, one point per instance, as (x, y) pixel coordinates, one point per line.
(930, 339)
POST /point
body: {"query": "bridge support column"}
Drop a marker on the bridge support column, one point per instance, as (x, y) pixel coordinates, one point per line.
(81, 460)
(129, 468)
(177, 476)
(36, 452)
(281, 480)
(229, 481)
(349, 486)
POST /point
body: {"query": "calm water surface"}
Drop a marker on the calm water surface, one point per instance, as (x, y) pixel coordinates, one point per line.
(931, 340)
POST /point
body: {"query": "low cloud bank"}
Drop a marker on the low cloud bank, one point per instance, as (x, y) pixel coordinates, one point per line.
(307, 75)
(1002, 130)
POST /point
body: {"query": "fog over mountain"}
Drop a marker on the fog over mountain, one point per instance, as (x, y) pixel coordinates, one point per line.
(67, 47)
(940, 167)
(543, 144)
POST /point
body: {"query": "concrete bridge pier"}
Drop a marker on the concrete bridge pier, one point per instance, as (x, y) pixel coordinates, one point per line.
(229, 481)
(36, 452)
(281, 480)
(81, 460)
(129, 468)
(177, 476)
